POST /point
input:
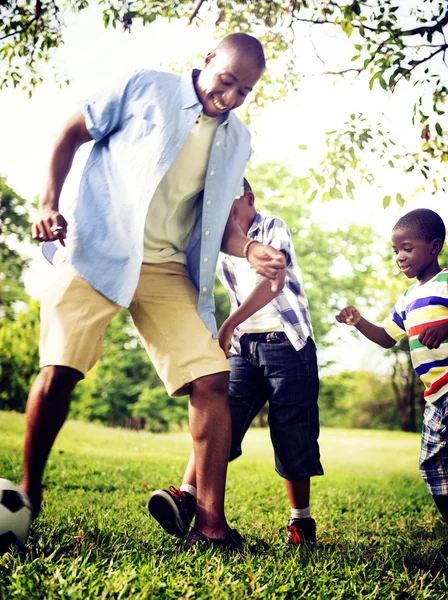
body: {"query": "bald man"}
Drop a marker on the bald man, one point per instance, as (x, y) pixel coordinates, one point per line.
(151, 215)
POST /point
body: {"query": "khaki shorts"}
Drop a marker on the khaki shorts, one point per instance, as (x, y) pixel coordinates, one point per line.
(74, 317)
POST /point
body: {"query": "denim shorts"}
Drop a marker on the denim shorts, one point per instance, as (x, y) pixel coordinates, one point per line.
(270, 369)
(434, 449)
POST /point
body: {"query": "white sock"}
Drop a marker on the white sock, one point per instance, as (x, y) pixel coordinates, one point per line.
(300, 513)
(185, 487)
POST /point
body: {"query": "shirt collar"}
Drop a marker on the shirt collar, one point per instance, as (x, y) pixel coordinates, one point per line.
(188, 93)
(255, 224)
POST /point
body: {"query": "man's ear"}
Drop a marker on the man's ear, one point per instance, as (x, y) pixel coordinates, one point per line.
(436, 246)
(209, 57)
(250, 199)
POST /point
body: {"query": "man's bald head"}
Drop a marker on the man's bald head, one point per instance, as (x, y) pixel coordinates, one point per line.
(247, 45)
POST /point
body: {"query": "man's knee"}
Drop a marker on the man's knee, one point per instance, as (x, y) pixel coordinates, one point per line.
(211, 388)
(54, 380)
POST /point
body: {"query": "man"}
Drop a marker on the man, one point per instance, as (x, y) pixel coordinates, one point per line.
(150, 219)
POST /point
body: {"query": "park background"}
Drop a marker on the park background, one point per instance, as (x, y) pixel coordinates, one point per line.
(350, 132)
(339, 192)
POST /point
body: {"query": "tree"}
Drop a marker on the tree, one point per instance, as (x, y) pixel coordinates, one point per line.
(14, 228)
(19, 357)
(360, 399)
(391, 41)
(338, 265)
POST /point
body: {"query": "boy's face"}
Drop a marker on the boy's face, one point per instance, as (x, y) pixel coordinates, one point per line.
(225, 81)
(243, 210)
(414, 256)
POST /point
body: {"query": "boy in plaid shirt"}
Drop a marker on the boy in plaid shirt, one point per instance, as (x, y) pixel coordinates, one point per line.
(272, 357)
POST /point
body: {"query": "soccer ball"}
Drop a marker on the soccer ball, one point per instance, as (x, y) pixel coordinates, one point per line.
(15, 514)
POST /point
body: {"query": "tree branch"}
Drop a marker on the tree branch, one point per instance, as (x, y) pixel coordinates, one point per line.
(196, 9)
(37, 13)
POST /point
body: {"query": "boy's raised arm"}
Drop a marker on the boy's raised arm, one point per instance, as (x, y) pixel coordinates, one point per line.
(260, 296)
(351, 316)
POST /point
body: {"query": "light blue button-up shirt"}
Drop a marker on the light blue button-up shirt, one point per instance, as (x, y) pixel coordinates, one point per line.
(139, 126)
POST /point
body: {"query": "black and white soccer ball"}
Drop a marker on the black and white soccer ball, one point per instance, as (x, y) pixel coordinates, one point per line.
(15, 515)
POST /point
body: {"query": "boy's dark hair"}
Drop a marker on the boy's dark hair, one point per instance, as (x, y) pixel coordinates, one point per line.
(247, 187)
(426, 224)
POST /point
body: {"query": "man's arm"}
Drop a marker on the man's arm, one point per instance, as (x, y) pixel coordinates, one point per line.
(351, 316)
(259, 297)
(50, 224)
(266, 260)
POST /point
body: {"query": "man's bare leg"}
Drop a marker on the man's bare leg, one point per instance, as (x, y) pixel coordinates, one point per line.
(46, 411)
(210, 428)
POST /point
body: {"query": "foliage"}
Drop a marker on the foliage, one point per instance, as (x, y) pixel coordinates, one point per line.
(359, 399)
(19, 357)
(378, 529)
(121, 375)
(391, 41)
(161, 412)
(338, 265)
(14, 228)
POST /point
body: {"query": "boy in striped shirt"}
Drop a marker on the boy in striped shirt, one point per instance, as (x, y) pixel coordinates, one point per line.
(421, 313)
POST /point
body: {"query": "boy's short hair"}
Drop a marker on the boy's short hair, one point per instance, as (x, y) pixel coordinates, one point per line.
(426, 224)
(247, 187)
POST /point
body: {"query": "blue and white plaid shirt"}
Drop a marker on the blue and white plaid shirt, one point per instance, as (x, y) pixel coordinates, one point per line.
(291, 304)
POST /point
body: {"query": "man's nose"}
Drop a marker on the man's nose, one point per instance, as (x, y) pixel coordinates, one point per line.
(229, 97)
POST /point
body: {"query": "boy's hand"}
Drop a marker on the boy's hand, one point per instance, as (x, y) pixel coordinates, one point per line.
(434, 335)
(349, 315)
(225, 334)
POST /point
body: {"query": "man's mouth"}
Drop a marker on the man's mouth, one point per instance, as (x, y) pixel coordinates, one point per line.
(404, 268)
(218, 104)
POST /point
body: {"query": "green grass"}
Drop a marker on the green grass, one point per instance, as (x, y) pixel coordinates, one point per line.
(377, 527)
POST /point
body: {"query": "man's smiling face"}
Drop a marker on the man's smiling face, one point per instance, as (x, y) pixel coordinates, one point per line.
(226, 80)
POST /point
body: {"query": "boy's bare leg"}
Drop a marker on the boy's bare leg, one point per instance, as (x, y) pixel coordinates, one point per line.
(442, 505)
(190, 472)
(298, 492)
(46, 411)
(210, 428)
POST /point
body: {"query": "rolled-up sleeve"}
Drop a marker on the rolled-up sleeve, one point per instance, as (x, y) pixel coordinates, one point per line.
(105, 111)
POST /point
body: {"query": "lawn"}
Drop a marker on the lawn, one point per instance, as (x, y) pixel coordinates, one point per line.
(378, 530)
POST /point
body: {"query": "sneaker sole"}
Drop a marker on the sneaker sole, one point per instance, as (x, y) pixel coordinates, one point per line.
(164, 510)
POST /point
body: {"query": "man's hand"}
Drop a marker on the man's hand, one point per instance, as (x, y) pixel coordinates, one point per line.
(268, 262)
(49, 226)
(225, 334)
(434, 335)
(349, 315)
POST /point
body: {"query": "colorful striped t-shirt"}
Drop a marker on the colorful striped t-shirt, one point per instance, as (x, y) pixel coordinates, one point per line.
(419, 307)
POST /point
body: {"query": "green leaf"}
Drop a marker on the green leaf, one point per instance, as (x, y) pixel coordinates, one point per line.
(439, 129)
(312, 196)
(386, 201)
(302, 147)
(399, 199)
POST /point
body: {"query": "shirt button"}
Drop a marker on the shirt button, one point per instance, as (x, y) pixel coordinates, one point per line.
(212, 173)
(204, 289)
(206, 232)
(205, 259)
(208, 202)
(218, 143)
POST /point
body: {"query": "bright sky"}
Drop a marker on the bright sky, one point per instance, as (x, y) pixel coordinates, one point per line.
(92, 55)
